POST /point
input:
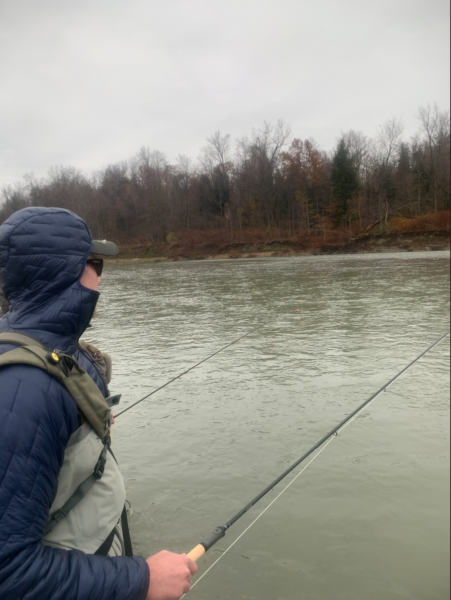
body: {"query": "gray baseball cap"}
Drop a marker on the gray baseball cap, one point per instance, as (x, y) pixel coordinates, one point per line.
(104, 248)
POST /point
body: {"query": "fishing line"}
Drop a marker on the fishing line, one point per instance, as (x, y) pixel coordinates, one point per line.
(187, 371)
(260, 515)
(330, 440)
(193, 367)
(219, 532)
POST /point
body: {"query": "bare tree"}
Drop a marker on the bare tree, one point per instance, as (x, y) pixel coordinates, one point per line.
(259, 156)
(436, 131)
(14, 197)
(149, 192)
(183, 172)
(216, 162)
(270, 140)
(389, 137)
(359, 147)
(217, 152)
(388, 140)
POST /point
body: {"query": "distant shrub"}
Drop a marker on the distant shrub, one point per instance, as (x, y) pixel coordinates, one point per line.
(171, 238)
(439, 221)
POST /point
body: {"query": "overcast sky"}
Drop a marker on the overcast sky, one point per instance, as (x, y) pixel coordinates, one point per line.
(88, 82)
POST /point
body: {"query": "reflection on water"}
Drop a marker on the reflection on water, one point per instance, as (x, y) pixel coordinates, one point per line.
(369, 519)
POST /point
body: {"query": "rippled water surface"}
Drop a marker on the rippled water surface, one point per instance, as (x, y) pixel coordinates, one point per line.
(369, 519)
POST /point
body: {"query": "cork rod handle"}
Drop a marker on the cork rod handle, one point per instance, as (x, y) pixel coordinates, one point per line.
(196, 552)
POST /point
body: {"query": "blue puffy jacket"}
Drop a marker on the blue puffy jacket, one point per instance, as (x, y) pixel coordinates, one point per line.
(43, 252)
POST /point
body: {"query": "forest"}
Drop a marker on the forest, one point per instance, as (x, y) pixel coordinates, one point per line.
(268, 183)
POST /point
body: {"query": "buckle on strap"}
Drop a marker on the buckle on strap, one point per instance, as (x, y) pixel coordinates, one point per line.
(100, 465)
(65, 361)
(59, 515)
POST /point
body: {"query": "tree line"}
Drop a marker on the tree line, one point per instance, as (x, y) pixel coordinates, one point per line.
(268, 180)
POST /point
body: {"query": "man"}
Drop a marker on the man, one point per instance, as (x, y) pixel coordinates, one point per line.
(50, 279)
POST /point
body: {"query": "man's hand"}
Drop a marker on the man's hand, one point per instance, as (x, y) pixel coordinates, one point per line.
(170, 575)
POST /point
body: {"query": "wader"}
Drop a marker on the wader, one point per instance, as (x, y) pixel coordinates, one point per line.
(88, 512)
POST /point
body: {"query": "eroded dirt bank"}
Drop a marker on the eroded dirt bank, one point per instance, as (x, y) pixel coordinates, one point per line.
(396, 242)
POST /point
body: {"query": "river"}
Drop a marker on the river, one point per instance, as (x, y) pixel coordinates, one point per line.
(369, 519)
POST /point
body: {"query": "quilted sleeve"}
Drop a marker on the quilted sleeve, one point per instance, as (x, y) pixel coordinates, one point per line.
(37, 417)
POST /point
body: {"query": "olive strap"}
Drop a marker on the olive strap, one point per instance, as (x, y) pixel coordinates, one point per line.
(67, 371)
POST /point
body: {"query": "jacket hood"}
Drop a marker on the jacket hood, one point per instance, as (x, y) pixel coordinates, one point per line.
(43, 254)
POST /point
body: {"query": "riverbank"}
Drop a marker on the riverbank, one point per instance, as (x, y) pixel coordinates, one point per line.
(364, 244)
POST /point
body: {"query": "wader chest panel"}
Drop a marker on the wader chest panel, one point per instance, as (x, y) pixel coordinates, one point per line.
(91, 521)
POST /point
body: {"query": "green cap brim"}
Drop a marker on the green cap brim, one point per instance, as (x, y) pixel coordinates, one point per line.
(104, 248)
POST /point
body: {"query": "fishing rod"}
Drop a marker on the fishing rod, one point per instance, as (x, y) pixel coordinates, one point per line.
(187, 371)
(220, 531)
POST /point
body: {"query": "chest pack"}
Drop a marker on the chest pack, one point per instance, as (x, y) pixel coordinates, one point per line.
(87, 509)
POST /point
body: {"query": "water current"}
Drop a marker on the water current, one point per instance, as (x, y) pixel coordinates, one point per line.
(369, 519)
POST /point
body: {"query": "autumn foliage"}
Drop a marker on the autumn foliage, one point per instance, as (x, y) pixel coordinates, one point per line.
(432, 222)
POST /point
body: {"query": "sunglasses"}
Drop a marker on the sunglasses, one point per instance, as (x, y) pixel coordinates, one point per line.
(97, 263)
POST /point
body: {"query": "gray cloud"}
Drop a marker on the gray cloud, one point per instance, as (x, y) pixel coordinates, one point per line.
(89, 83)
